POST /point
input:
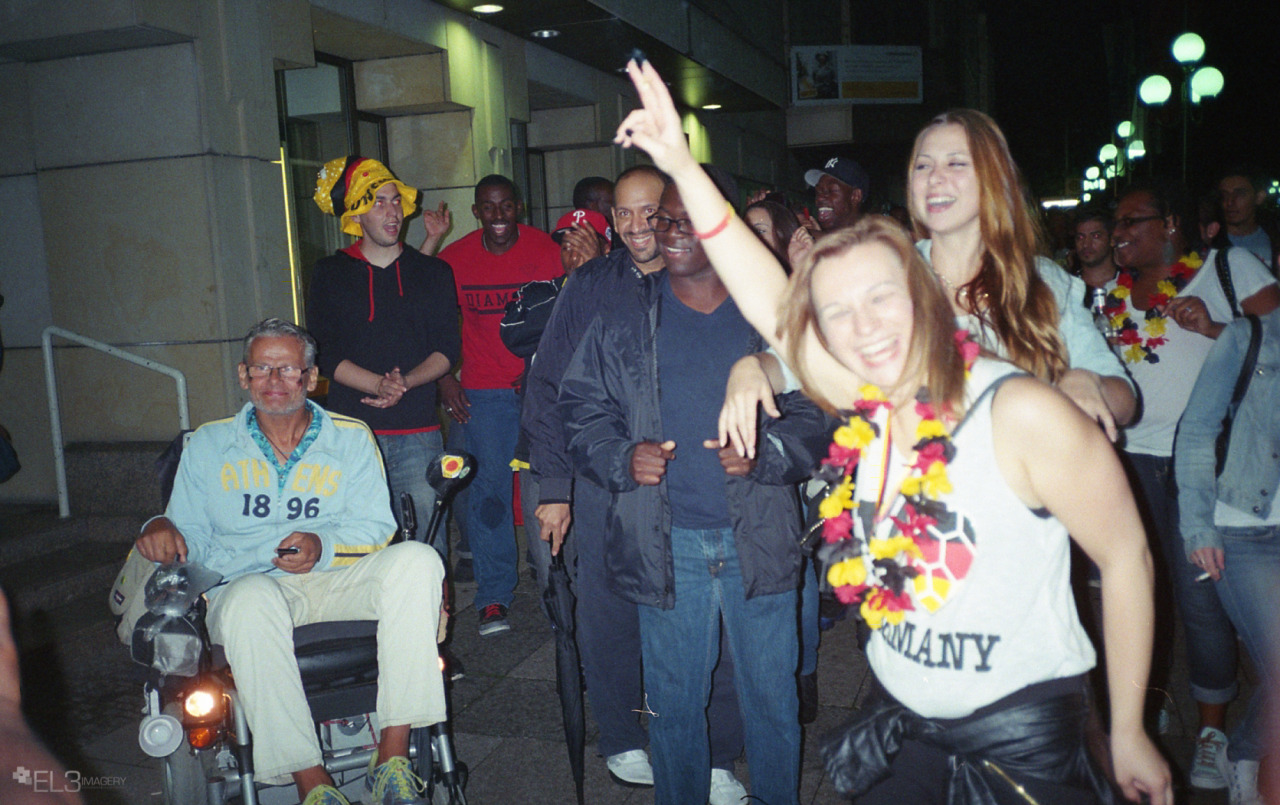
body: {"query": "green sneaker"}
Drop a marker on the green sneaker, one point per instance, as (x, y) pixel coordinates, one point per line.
(394, 783)
(325, 795)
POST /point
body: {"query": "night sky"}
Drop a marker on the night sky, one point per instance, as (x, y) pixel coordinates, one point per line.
(1061, 82)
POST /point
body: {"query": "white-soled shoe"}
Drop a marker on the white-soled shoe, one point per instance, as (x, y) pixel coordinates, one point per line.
(1241, 777)
(725, 789)
(631, 768)
(1204, 763)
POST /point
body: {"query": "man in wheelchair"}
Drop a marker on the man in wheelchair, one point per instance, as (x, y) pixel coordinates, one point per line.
(289, 503)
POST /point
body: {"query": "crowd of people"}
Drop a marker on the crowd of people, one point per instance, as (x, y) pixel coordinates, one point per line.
(673, 382)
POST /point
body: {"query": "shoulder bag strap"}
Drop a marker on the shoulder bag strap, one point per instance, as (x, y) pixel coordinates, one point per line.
(1224, 279)
(1242, 387)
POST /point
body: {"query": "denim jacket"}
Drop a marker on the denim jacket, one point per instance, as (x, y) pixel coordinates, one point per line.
(1251, 474)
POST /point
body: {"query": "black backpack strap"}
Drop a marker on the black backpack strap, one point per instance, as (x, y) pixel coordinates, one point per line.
(1223, 442)
(1224, 279)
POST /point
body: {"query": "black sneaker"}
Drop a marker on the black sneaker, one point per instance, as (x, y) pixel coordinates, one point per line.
(493, 619)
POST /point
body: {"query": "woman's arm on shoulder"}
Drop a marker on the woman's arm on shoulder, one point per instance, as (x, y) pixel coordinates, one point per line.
(1053, 456)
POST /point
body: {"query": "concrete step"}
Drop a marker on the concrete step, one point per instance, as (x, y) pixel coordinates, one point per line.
(60, 575)
(113, 477)
(46, 561)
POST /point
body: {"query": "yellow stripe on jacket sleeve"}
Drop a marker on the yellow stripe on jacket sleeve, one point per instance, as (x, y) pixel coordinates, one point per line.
(344, 555)
(346, 422)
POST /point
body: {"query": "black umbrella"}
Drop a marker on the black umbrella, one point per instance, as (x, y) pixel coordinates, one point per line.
(558, 601)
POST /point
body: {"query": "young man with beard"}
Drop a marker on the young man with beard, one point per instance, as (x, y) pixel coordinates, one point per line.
(694, 533)
(489, 266)
(1243, 199)
(385, 320)
(1093, 247)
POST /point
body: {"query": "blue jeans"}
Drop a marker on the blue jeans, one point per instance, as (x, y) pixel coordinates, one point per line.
(1211, 642)
(609, 644)
(680, 648)
(1250, 592)
(407, 457)
(491, 438)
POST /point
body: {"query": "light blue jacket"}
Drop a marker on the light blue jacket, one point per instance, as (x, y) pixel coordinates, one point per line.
(232, 510)
(1086, 348)
(1251, 474)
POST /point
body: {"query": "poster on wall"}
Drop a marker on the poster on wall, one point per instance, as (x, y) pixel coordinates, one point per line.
(822, 74)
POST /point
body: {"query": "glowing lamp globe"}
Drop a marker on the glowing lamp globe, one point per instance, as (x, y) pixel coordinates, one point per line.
(1107, 153)
(1125, 129)
(1155, 90)
(1092, 172)
(1188, 48)
(1206, 83)
(1136, 149)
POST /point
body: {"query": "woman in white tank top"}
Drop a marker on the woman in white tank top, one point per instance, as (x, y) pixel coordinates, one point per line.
(953, 541)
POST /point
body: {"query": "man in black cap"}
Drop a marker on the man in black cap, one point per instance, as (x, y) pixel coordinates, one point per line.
(840, 189)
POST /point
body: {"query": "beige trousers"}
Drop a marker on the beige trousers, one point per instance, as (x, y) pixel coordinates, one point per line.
(253, 618)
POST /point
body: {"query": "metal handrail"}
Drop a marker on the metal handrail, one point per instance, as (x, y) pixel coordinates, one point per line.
(55, 418)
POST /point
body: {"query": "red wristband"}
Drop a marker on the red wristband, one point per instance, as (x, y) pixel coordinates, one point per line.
(720, 227)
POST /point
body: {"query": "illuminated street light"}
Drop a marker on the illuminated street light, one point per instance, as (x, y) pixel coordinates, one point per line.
(1092, 172)
(1108, 153)
(1188, 48)
(1155, 90)
(1197, 84)
(1206, 83)
(1136, 150)
(1125, 129)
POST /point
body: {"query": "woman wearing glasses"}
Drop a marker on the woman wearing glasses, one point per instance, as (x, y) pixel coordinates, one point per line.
(1169, 307)
(697, 536)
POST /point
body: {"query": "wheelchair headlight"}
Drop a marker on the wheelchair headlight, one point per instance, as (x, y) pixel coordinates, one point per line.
(200, 703)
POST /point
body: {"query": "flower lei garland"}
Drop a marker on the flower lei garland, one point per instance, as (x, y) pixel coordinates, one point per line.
(874, 573)
(1136, 348)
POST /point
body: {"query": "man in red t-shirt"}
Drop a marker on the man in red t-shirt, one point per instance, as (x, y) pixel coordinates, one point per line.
(489, 266)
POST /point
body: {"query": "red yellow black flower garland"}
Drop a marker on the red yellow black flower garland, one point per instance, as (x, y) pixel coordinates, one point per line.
(1136, 348)
(873, 572)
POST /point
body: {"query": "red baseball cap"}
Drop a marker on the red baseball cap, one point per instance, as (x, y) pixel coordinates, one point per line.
(591, 217)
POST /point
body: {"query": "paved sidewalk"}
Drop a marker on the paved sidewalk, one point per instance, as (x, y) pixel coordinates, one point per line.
(83, 695)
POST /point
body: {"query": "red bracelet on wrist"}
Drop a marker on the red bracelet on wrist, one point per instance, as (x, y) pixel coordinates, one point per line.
(720, 227)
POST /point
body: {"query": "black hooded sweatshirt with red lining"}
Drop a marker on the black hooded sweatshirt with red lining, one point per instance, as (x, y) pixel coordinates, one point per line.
(379, 319)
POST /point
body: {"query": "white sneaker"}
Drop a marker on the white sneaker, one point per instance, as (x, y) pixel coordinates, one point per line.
(726, 790)
(1205, 771)
(630, 768)
(1241, 778)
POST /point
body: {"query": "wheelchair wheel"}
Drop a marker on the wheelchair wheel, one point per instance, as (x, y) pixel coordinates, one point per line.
(185, 777)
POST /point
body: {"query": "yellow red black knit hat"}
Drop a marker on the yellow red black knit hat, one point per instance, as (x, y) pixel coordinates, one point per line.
(346, 186)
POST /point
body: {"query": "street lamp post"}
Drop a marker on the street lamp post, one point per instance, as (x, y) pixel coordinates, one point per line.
(1197, 84)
